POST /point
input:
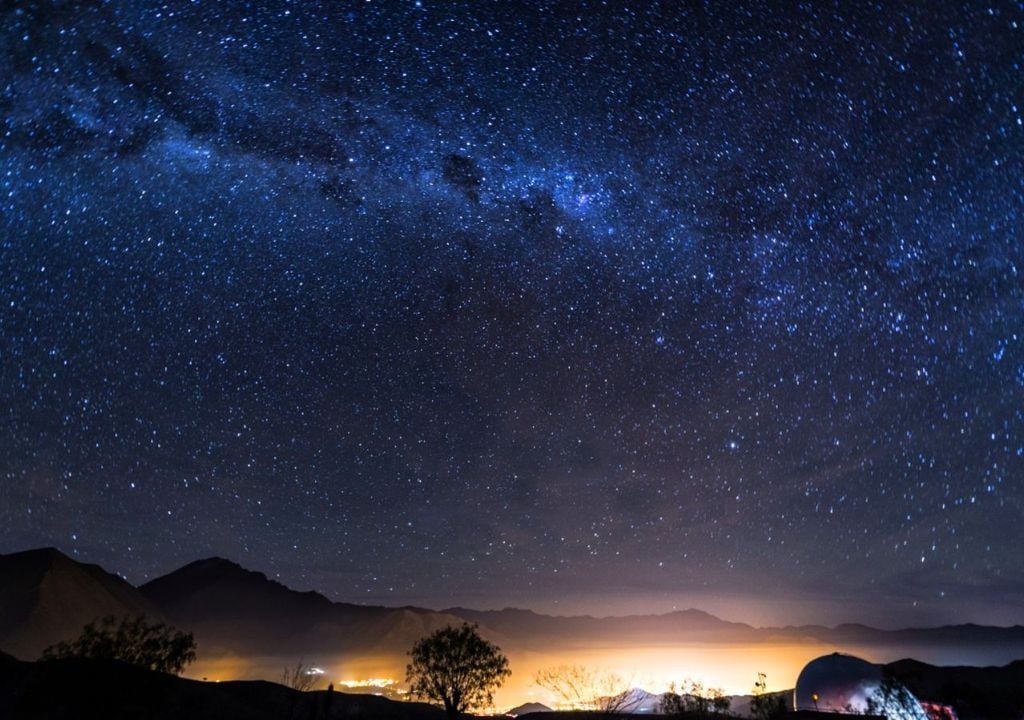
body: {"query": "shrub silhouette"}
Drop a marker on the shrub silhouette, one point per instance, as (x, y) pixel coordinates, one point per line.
(133, 640)
(301, 677)
(765, 705)
(579, 687)
(694, 700)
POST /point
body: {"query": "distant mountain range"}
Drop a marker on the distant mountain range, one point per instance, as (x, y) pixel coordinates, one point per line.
(233, 609)
(46, 596)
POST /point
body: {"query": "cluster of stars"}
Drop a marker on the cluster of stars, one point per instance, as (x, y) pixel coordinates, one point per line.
(401, 300)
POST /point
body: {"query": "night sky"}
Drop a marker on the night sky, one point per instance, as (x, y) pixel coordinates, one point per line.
(605, 307)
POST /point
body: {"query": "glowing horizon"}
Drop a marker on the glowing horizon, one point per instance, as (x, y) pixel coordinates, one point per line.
(731, 668)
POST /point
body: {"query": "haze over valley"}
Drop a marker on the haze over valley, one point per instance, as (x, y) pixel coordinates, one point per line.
(250, 627)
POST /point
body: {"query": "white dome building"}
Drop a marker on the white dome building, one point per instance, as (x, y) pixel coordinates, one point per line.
(847, 684)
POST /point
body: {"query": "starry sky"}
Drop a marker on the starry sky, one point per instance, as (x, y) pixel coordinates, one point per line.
(599, 306)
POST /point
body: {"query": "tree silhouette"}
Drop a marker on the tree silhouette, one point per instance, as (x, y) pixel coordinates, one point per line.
(694, 700)
(301, 677)
(765, 705)
(456, 667)
(581, 688)
(893, 700)
(133, 640)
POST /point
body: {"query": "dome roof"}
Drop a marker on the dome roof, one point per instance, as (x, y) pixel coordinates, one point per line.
(844, 683)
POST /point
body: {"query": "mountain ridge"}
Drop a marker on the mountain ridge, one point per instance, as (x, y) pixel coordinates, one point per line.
(235, 610)
(46, 597)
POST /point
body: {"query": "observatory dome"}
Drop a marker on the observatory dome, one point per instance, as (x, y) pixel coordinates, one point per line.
(847, 684)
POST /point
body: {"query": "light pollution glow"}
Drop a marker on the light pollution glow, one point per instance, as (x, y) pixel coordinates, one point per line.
(732, 668)
(368, 683)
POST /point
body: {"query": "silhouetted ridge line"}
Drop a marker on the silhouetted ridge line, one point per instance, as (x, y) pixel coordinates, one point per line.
(46, 597)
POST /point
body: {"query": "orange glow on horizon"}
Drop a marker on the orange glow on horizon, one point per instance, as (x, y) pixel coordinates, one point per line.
(732, 668)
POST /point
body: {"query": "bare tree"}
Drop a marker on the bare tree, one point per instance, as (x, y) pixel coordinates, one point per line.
(766, 705)
(893, 700)
(302, 677)
(581, 688)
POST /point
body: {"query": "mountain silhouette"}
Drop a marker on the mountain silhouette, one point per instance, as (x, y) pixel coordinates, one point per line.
(231, 609)
(46, 597)
(528, 626)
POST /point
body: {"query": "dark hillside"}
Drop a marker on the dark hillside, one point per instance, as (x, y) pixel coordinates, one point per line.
(45, 597)
(231, 608)
(977, 693)
(116, 691)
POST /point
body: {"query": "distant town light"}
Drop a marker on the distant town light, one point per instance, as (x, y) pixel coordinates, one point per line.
(369, 682)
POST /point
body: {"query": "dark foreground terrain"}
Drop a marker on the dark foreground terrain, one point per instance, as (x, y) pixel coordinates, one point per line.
(977, 693)
(113, 690)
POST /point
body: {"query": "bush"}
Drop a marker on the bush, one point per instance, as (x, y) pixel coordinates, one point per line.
(694, 700)
(133, 640)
